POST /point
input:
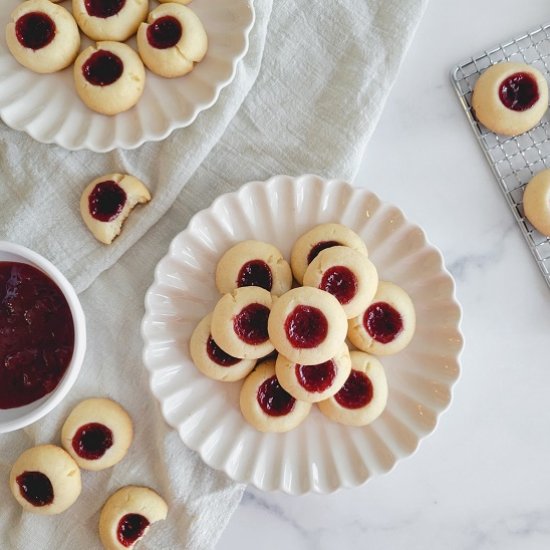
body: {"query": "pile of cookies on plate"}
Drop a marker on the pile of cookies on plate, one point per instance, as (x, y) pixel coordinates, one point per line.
(109, 76)
(287, 328)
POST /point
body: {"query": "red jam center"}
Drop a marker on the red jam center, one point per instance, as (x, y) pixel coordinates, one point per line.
(341, 282)
(519, 92)
(36, 488)
(106, 201)
(255, 273)
(92, 441)
(306, 327)
(382, 322)
(34, 30)
(357, 392)
(103, 8)
(273, 399)
(314, 252)
(102, 68)
(131, 527)
(164, 33)
(36, 334)
(316, 378)
(218, 356)
(250, 324)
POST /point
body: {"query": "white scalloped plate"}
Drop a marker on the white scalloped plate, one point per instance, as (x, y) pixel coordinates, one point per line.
(319, 455)
(48, 109)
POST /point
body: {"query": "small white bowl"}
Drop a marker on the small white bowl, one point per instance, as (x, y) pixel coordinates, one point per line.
(19, 417)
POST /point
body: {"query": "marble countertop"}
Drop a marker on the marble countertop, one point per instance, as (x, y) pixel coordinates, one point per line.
(480, 481)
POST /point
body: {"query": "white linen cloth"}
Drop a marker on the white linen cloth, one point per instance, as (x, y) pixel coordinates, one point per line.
(306, 98)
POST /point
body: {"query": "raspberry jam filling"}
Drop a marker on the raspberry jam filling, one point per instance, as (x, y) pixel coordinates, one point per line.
(250, 324)
(164, 33)
(273, 399)
(519, 92)
(255, 273)
(92, 441)
(341, 282)
(357, 392)
(218, 356)
(36, 334)
(103, 8)
(106, 201)
(34, 30)
(102, 68)
(316, 378)
(36, 488)
(306, 327)
(315, 249)
(131, 527)
(382, 322)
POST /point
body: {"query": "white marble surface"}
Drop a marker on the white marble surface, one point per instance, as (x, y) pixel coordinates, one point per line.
(482, 479)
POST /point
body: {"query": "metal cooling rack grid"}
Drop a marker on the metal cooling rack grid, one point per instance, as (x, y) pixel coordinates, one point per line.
(513, 160)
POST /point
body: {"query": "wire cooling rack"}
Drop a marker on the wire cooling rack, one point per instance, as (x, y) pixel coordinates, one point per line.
(513, 160)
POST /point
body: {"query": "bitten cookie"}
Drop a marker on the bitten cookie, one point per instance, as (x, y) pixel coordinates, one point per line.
(307, 325)
(510, 98)
(253, 263)
(364, 395)
(307, 247)
(313, 383)
(97, 433)
(42, 36)
(127, 515)
(346, 274)
(107, 201)
(172, 40)
(536, 202)
(388, 323)
(211, 360)
(45, 480)
(266, 405)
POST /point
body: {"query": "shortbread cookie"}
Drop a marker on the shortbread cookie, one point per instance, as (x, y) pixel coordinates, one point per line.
(364, 395)
(211, 360)
(127, 515)
(313, 383)
(266, 405)
(97, 433)
(110, 19)
(510, 98)
(109, 77)
(42, 36)
(239, 322)
(536, 202)
(107, 201)
(253, 263)
(326, 235)
(172, 40)
(45, 480)
(387, 325)
(346, 274)
(184, 2)
(307, 325)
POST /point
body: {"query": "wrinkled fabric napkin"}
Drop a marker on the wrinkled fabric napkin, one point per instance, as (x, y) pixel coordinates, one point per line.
(306, 98)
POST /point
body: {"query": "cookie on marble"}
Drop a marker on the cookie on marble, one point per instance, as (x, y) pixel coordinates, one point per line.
(536, 202)
(266, 405)
(45, 480)
(307, 325)
(313, 383)
(364, 395)
(172, 40)
(42, 36)
(107, 201)
(253, 263)
(127, 515)
(510, 98)
(97, 433)
(387, 325)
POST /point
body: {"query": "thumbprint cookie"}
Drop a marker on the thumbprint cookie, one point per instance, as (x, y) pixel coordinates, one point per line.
(536, 202)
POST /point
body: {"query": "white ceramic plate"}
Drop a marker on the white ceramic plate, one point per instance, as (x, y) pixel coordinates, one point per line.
(319, 455)
(49, 110)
